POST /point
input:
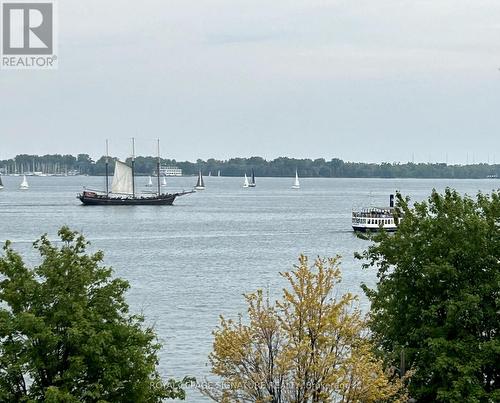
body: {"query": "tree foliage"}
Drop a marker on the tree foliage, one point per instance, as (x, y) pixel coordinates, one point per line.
(279, 167)
(307, 347)
(438, 296)
(66, 334)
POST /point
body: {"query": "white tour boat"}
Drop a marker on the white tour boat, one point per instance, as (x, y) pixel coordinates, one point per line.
(375, 218)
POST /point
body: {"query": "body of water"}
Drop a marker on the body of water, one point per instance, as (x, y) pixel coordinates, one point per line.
(191, 262)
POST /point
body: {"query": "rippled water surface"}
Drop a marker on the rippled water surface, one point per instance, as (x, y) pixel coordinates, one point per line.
(191, 262)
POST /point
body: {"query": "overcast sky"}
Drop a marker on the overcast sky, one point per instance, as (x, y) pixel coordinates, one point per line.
(364, 80)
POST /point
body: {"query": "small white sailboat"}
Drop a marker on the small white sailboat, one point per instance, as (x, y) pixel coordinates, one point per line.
(245, 184)
(1, 184)
(150, 182)
(200, 185)
(252, 181)
(296, 184)
(218, 173)
(164, 183)
(24, 184)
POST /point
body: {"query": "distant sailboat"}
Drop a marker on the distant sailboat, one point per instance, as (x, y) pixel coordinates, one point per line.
(218, 173)
(200, 185)
(245, 184)
(252, 182)
(209, 173)
(1, 184)
(150, 183)
(296, 184)
(164, 183)
(24, 184)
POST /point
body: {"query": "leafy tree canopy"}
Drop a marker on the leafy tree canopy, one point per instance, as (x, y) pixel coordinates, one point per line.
(309, 346)
(438, 296)
(66, 334)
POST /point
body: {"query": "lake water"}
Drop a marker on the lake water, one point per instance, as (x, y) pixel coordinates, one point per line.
(191, 262)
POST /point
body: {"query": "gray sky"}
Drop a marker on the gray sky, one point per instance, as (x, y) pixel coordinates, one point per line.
(365, 80)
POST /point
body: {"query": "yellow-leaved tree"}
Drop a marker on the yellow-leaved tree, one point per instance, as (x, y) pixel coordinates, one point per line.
(310, 346)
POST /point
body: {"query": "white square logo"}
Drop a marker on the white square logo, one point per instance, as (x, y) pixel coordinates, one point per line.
(29, 39)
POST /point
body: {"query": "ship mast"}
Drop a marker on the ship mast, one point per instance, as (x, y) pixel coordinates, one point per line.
(133, 163)
(158, 166)
(107, 168)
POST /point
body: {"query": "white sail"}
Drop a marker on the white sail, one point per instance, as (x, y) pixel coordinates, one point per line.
(150, 182)
(24, 183)
(1, 184)
(122, 179)
(164, 183)
(296, 184)
(245, 184)
(200, 185)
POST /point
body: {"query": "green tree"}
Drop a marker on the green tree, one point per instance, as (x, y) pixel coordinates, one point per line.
(66, 334)
(308, 347)
(437, 299)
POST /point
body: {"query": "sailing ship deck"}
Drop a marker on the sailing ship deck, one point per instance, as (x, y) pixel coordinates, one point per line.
(96, 199)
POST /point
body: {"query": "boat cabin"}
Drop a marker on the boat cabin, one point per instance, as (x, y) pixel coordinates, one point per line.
(375, 218)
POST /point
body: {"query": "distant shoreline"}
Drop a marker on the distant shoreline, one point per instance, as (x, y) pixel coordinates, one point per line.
(56, 164)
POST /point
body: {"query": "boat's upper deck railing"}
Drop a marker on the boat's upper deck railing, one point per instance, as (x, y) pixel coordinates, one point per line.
(374, 212)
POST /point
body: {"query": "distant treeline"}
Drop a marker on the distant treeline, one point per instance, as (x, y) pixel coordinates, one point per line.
(335, 168)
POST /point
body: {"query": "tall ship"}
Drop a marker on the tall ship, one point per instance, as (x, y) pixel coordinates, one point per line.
(123, 192)
(374, 219)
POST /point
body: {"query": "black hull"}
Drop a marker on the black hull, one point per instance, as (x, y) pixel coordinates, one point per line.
(162, 200)
(364, 229)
